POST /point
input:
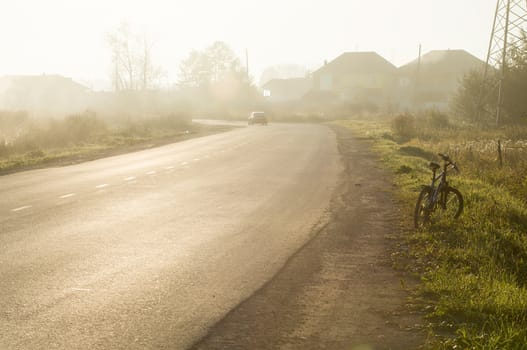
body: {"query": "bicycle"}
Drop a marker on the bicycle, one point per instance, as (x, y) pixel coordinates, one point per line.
(438, 195)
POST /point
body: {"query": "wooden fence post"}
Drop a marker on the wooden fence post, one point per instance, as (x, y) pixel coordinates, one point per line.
(500, 158)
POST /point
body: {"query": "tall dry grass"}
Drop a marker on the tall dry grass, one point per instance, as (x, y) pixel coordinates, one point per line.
(25, 140)
(476, 149)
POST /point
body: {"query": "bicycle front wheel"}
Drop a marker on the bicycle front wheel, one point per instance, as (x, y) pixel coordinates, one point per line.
(423, 208)
(452, 203)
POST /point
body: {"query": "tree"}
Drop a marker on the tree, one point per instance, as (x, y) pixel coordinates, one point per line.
(474, 96)
(213, 65)
(222, 60)
(194, 71)
(133, 68)
(150, 73)
(216, 80)
(515, 83)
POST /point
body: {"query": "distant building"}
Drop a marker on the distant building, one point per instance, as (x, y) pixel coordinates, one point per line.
(46, 94)
(357, 77)
(432, 82)
(283, 90)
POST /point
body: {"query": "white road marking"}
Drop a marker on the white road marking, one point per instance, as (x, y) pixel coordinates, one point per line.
(130, 178)
(81, 289)
(151, 173)
(67, 195)
(170, 167)
(101, 186)
(184, 163)
(196, 159)
(21, 208)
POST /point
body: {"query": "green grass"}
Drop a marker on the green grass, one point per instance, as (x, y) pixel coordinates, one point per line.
(473, 270)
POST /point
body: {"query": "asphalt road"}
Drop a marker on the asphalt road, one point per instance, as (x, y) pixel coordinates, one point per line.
(148, 250)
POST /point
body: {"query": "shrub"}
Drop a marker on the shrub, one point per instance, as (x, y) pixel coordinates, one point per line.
(438, 119)
(172, 121)
(403, 126)
(3, 147)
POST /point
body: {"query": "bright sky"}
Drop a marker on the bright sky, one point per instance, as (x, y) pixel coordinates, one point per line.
(68, 37)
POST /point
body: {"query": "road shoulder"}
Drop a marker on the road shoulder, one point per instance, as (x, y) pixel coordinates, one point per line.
(340, 290)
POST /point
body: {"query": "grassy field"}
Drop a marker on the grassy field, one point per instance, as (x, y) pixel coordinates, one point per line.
(473, 270)
(26, 143)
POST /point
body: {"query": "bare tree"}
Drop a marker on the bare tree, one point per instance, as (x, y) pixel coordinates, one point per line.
(150, 73)
(133, 67)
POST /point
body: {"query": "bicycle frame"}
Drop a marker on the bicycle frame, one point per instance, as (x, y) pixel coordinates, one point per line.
(438, 195)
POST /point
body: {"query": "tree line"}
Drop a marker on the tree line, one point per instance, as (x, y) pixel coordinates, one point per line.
(476, 100)
(134, 69)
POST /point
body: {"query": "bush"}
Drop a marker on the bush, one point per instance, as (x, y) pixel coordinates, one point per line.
(172, 121)
(438, 119)
(403, 126)
(3, 147)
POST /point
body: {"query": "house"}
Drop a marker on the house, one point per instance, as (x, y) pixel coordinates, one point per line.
(46, 94)
(284, 90)
(357, 77)
(432, 81)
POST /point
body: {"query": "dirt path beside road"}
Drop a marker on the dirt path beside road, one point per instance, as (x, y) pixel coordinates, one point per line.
(340, 290)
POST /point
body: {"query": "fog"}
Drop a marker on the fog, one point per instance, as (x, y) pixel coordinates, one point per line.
(69, 37)
(131, 60)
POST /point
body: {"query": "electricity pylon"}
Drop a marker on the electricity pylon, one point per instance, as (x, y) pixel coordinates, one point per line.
(508, 29)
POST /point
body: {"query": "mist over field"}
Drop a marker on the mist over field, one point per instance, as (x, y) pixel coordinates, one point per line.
(148, 45)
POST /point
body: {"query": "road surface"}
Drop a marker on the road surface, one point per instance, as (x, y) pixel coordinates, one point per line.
(150, 249)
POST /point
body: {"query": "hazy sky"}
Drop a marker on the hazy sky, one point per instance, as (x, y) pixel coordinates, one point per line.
(68, 37)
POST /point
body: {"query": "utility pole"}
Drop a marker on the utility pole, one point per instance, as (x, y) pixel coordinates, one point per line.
(247, 77)
(247, 63)
(417, 78)
(510, 23)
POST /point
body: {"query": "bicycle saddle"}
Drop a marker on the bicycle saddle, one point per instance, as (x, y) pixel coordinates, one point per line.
(434, 166)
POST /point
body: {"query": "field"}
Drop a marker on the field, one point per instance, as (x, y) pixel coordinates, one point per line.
(28, 142)
(473, 271)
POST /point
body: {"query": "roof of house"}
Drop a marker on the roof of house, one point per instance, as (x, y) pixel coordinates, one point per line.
(358, 62)
(40, 82)
(444, 61)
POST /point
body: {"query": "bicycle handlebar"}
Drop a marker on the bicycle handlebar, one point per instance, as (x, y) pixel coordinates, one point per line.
(447, 159)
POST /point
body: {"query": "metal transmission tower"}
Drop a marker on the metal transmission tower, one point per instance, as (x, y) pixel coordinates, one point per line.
(508, 29)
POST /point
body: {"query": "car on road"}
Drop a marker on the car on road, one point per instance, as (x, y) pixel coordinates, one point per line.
(257, 118)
